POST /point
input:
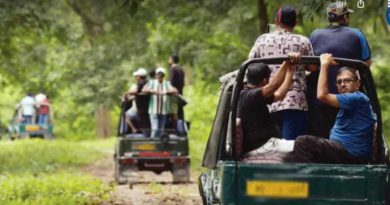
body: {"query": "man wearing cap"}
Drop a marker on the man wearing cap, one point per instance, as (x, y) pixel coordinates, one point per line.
(291, 113)
(342, 42)
(139, 109)
(159, 101)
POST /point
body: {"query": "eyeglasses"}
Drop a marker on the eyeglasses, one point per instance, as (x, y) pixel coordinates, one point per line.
(345, 81)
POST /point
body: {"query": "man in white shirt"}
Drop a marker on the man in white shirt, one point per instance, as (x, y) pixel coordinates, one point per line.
(27, 108)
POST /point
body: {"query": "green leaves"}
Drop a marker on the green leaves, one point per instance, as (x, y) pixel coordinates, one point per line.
(86, 51)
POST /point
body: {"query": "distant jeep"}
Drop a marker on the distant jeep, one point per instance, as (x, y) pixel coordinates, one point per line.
(19, 130)
(138, 152)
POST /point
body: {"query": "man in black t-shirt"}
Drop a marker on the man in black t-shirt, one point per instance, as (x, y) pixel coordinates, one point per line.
(257, 124)
(176, 77)
(176, 74)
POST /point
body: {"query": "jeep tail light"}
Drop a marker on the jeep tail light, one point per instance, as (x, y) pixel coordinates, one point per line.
(179, 160)
(127, 161)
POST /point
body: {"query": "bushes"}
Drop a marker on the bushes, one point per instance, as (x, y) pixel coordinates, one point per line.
(44, 172)
(200, 112)
(62, 188)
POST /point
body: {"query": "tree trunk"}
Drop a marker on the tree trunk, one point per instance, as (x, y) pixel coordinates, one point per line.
(103, 122)
(262, 14)
(90, 17)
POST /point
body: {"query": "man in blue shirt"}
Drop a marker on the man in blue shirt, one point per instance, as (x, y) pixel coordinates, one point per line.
(350, 139)
(341, 41)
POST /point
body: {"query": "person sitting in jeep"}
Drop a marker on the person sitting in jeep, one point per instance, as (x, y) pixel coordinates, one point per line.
(253, 114)
(350, 140)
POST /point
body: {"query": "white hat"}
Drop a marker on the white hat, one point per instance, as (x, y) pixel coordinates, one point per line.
(140, 72)
(40, 98)
(160, 70)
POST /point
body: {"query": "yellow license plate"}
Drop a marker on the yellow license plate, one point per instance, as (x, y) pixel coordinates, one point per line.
(32, 128)
(144, 147)
(277, 189)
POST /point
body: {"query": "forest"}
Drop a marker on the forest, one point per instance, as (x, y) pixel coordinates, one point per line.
(83, 54)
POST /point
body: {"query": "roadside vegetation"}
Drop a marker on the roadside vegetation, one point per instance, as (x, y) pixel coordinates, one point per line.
(46, 172)
(83, 54)
(200, 112)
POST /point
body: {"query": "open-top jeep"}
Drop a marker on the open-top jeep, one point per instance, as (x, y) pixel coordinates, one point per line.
(139, 152)
(230, 180)
(19, 130)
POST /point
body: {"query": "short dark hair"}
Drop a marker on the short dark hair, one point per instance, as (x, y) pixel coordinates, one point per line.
(334, 18)
(175, 58)
(351, 70)
(257, 72)
(152, 73)
(287, 15)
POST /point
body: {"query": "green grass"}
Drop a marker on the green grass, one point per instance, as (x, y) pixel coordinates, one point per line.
(42, 156)
(59, 188)
(47, 172)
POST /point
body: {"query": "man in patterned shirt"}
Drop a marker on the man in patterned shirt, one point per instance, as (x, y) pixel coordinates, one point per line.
(159, 101)
(291, 113)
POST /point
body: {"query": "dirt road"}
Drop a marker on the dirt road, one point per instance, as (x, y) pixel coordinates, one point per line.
(147, 188)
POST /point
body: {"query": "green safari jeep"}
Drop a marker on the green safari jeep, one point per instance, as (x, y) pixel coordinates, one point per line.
(230, 180)
(138, 152)
(19, 130)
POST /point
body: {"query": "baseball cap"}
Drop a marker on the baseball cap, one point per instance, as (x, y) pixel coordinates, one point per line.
(287, 16)
(338, 8)
(140, 72)
(160, 70)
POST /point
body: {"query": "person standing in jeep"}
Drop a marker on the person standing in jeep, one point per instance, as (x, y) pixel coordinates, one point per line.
(176, 77)
(291, 113)
(159, 101)
(341, 41)
(176, 74)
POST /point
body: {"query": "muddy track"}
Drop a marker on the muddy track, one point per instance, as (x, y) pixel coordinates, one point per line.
(145, 187)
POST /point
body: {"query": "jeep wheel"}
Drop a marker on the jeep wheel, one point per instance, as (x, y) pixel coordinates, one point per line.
(181, 173)
(119, 178)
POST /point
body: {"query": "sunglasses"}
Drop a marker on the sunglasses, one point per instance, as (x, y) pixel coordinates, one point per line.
(345, 81)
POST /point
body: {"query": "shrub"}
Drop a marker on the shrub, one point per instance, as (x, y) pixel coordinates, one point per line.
(59, 188)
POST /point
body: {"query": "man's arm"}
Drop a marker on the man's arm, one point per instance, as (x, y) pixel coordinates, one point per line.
(133, 90)
(279, 77)
(323, 94)
(283, 89)
(171, 89)
(147, 88)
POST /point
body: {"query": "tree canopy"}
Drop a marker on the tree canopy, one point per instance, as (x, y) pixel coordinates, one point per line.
(82, 53)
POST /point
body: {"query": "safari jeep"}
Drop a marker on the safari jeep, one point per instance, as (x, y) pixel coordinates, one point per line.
(19, 130)
(138, 152)
(229, 180)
